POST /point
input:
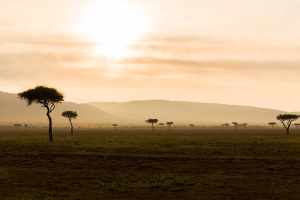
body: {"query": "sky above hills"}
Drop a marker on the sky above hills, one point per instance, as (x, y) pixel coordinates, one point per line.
(233, 52)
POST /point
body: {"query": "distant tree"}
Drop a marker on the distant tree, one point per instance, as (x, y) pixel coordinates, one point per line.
(115, 126)
(297, 125)
(161, 124)
(245, 125)
(287, 120)
(235, 124)
(152, 122)
(170, 124)
(272, 124)
(47, 97)
(17, 125)
(70, 115)
(192, 125)
(225, 125)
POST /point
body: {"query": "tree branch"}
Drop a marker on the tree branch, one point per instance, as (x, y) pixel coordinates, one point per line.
(283, 123)
(52, 107)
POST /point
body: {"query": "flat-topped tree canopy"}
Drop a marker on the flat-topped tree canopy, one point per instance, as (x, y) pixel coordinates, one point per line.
(70, 114)
(152, 121)
(45, 96)
(272, 124)
(42, 95)
(287, 117)
(287, 120)
(170, 123)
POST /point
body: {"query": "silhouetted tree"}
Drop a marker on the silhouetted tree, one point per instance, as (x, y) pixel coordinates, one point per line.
(17, 125)
(226, 125)
(152, 122)
(287, 120)
(70, 115)
(297, 125)
(235, 124)
(47, 97)
(161, 124)
(245, 125)
(192, 125)
(272, 124)
(170, 124)
(115, 126)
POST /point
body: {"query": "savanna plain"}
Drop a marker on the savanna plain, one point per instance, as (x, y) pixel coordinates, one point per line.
(136, 163)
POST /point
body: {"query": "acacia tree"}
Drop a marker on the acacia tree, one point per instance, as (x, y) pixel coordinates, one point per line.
(192, 125)
(297, 125)
(115, 126)
(161, 124)
(225, 125)
(272, 124)
(170, 124)
(245, 125)
(235, 124)
(152, 122)
(70, 115)
(47, 97)
(287, 120)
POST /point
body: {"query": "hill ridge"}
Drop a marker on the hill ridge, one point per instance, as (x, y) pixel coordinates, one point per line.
(136, 111)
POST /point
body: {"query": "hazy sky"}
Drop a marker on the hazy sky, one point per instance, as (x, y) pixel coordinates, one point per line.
(225, 51)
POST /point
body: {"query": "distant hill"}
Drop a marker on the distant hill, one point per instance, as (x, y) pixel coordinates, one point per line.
(15, 110)
(188, 112)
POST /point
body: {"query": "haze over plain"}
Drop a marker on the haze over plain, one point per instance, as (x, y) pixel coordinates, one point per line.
(218, 51)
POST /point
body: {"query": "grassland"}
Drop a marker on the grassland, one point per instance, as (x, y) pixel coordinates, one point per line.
(208, 163)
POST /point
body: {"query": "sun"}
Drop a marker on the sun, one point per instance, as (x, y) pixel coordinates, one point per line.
(112, 25)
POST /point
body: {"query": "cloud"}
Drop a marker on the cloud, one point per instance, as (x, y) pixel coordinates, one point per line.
(70, 61)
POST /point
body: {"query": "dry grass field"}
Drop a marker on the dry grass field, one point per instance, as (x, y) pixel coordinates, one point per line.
(207, 163)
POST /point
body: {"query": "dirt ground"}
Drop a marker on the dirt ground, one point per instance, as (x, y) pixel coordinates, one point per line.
(138, 164)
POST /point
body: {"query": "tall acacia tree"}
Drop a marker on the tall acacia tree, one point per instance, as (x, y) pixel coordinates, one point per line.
(70, 115)
(287, 120)
(152, 122)
(47, 97)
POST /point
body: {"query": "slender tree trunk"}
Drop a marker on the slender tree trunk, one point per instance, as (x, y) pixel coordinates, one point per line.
(152, 126)
(288, 129)
(72, 129)
(50, 127)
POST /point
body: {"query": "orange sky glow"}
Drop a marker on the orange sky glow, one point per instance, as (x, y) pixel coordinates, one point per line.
(231, 52)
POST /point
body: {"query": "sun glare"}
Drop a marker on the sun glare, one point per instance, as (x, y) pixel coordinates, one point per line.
(112, 25)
